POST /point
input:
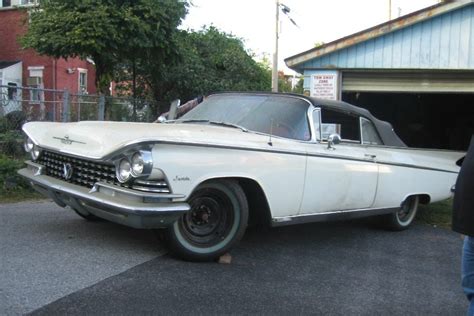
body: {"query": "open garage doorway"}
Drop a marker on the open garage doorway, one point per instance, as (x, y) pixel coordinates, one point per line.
(425, 120)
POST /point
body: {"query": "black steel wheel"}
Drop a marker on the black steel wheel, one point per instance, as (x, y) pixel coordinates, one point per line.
(403, 218)
(217, 220)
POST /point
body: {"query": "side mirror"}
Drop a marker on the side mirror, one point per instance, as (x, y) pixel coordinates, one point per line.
(173, 109)
(333, 139)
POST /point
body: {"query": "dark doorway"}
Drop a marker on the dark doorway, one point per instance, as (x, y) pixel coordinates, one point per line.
(443, 121)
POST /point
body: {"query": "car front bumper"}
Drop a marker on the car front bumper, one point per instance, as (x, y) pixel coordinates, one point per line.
(110, 202)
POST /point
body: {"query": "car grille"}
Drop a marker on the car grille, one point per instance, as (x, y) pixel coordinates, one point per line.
(86, 173)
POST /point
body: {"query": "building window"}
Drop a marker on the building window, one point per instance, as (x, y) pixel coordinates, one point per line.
(6, 3)
(35, 83)
(83, 81)
(12, 92)
(27, 2)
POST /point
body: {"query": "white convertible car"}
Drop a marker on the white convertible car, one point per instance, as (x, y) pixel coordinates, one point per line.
(237, 156)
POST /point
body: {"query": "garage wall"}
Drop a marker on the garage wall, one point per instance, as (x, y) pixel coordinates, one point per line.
(442, 42)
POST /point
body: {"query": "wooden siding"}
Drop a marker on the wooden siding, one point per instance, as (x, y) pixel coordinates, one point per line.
(443, 42)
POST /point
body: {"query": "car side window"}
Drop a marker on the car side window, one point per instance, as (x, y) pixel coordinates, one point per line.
(335, 122)
(369, 133)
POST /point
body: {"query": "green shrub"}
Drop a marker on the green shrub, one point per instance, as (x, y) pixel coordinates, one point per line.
(12, 186)
(11, 144)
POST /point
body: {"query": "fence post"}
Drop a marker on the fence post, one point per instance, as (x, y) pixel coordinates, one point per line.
(101, 109)
(66, 109)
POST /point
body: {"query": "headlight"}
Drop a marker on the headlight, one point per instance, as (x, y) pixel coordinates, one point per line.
(124, 170)
(35, 152)
(137, 164)
(28, 145)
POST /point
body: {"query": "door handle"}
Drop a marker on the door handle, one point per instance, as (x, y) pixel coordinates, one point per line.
(371, 156)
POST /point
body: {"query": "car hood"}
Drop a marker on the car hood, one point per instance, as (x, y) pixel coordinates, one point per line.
(99, 139)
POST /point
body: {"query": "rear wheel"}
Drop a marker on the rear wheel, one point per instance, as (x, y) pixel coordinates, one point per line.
(403, 218)
(217, 220)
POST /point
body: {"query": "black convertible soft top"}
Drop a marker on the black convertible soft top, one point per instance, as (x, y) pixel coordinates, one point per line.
(385, 129)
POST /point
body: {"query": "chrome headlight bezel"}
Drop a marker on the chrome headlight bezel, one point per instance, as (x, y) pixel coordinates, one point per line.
(35, 152)
(123, 170)
(140, 165)
(28, 144)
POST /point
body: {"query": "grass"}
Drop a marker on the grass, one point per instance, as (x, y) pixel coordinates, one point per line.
(20, 195)
(436, 214)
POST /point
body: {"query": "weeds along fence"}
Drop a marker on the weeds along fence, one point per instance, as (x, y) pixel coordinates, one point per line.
(19, 105)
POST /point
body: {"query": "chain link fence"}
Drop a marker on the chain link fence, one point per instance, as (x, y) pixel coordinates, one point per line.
(19, 105)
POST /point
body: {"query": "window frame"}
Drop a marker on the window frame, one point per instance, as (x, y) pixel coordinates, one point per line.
(316, 135)
(343, 140)
(82, 89)
(12, 91)
(362, 118)
(2, 5)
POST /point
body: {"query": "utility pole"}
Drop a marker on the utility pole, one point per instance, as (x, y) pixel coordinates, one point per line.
(389, 10)
(275, 54)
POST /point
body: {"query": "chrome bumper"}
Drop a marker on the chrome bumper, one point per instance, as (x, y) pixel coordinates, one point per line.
(110, 202)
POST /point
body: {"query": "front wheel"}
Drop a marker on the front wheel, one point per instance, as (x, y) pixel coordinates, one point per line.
(403, 218)
(217, 221)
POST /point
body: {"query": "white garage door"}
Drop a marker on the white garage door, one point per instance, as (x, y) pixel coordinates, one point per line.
(426, 82)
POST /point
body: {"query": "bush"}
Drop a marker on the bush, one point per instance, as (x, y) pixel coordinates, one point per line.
(11, 144)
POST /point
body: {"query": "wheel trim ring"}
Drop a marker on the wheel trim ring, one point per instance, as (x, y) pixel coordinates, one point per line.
(410, 205)
(225, 241)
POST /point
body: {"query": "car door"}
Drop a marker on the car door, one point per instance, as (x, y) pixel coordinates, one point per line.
(338, 177)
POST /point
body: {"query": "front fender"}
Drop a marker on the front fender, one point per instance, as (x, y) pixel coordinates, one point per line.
(280, 175)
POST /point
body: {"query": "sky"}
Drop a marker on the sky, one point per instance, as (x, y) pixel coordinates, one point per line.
(319, 21)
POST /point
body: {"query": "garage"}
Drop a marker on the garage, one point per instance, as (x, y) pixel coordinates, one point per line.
(417, 72)
(430, 110)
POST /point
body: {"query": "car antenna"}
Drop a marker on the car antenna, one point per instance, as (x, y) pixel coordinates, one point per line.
(271, 132)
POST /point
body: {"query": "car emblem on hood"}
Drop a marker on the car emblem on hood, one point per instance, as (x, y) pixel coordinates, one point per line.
(67, 141)
(67, 171)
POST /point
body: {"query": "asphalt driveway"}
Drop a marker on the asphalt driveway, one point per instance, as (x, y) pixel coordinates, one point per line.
(53, 262)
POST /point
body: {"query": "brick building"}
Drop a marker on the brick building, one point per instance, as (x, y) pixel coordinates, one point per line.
(75, 75)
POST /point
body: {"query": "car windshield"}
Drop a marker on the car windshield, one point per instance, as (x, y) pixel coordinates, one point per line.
(282, 116)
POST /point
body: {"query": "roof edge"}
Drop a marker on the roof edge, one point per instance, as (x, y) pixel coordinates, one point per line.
(376, 31)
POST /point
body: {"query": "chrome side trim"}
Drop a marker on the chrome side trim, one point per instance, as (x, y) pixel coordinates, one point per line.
(149, 189)
(331, 216)
(287, 152)
(133, 192)
(158, 183)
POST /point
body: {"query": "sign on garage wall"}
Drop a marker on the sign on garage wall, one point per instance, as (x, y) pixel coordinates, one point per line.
(326, 85)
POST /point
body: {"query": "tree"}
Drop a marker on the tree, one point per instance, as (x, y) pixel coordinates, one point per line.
(298, 88)
(108, 31)
(209, 61)
(284, 84)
